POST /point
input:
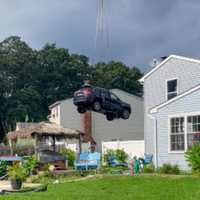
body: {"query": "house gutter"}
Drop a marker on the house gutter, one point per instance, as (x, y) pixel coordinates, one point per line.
(155, 139)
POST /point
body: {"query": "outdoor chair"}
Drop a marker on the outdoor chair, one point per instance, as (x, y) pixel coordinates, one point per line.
(148, 159)
(88, 161)
(113, 162)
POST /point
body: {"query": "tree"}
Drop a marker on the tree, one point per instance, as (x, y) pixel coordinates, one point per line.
(31, 80)
(117, 75)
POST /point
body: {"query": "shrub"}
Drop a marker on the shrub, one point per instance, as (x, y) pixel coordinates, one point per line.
(108, 153)
(169, 169)
(3, 167)
(71, 156)
(30, 164)
(119, 154)
(16, 171)
(193, 158)
(150, 168)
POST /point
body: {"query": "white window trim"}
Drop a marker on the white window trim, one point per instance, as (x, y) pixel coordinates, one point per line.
(185, 115)
(166, 88)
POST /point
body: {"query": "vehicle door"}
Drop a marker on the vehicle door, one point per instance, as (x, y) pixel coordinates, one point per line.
(115, 103)
(106, 104)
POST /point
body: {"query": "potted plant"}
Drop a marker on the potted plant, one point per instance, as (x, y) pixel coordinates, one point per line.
(16, 175)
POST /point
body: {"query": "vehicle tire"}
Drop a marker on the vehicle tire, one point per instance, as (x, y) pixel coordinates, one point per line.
(81, 110)
(125, 114)
(97, 106)
(109, 117)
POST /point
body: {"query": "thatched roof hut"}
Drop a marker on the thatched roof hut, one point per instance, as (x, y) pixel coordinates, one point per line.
(44, 129)
(39, 131)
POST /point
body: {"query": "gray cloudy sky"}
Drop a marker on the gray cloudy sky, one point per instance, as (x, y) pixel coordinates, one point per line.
(139, 30)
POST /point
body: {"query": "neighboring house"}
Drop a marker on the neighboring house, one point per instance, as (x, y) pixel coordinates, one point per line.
(50, 135)
(96, 125)
(172, 109)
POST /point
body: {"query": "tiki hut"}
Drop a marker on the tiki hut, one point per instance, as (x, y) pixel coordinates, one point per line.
(41, 133)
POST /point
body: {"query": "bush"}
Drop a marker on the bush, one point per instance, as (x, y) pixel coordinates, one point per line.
(30, 164)
(3, 168)
(71, 156)
(150, 168)
(119, 154)
(108, 154)
(193, 158)
(16, 171)
(169, 169)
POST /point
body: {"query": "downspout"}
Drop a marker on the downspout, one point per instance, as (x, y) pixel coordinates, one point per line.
(155, 127)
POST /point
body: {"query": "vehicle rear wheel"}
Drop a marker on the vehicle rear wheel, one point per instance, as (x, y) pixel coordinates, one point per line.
(97, 106)
(81, 110)
(109, 117)
(125, 114)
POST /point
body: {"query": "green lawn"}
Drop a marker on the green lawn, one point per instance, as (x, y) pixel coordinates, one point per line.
(120, 188)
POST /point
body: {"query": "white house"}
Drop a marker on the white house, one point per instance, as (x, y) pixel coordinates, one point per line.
(172, 109)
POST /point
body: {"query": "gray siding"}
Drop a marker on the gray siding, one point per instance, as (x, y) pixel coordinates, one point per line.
(185, 105)
(69, 117)
(103, 130)
(131, 129)
(188, 75)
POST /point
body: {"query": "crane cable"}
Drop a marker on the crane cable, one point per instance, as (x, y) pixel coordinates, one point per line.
(102, 31)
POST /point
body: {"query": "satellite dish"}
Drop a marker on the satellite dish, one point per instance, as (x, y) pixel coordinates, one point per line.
(154, 63)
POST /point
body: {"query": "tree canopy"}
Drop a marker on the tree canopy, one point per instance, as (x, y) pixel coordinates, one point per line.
(31, 80)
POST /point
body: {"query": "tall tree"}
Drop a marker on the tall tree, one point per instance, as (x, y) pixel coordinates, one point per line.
(117, 75)
(31, 80)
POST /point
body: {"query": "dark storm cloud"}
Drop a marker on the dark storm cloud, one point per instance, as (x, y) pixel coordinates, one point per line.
(139, 30)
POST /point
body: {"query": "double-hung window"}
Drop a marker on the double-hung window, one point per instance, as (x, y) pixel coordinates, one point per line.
(184, 132)
(177, 136)
(193, 130)
(172, 89)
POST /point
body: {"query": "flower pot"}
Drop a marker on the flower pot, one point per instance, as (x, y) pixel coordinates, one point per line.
(16, 184)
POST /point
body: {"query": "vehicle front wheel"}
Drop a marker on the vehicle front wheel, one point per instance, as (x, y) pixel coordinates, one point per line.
(97, 106)
(81, 110)
(109, 117)
(125, 114)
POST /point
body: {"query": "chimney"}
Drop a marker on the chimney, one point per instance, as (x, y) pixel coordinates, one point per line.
(87, 125)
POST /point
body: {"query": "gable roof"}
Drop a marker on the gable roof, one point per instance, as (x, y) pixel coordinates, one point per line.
(113, 90)
(194, 89)
(127, 93)
(57, 103)
(165, 61)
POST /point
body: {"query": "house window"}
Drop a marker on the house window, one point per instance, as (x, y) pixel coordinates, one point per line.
(177, 136)
(171, 89)
(193, 130)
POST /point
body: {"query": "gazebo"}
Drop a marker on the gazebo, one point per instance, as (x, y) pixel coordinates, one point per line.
(39, 132)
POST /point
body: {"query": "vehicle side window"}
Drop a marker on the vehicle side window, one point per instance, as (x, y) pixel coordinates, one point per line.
(114, 97)
(107, 95)
(97, 92)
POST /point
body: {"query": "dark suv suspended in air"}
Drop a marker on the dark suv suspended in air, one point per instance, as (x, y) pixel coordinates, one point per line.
(102, 101)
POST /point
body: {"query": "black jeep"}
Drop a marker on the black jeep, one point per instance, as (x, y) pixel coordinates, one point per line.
(102, 101)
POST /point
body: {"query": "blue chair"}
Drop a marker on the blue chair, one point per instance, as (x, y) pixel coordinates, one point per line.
(94, 160)
(87, 161)
(113, 162)
(148, 159)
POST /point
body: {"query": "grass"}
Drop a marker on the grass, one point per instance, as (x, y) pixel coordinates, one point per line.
(120, 188)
